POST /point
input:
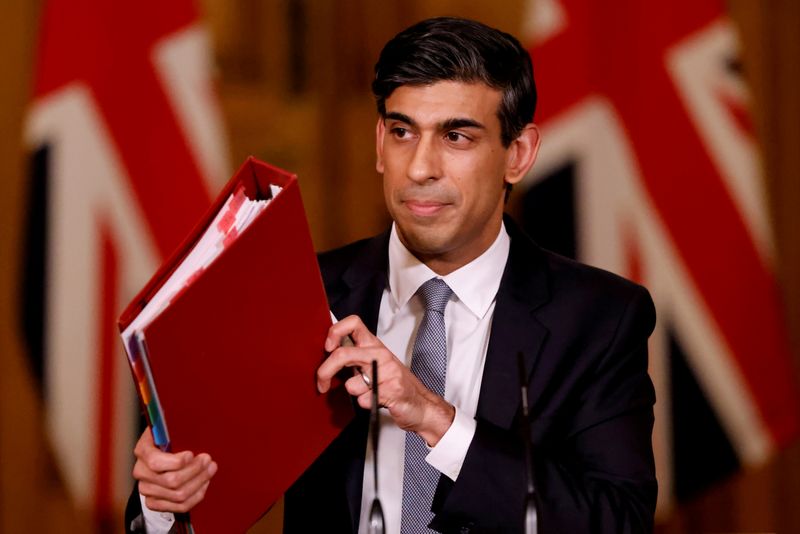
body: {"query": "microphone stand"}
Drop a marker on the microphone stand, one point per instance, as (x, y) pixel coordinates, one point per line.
(376, 524)
(531, 515)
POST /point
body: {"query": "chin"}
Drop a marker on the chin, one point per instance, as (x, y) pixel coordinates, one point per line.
(424, 241)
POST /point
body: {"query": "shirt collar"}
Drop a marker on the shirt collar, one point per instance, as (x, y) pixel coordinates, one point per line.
(475, 284)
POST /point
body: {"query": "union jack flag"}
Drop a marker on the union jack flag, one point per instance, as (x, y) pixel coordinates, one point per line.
(128, 146)
(649, 168)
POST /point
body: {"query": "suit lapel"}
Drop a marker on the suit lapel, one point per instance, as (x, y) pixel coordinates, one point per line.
(523, 288)
(359, 290)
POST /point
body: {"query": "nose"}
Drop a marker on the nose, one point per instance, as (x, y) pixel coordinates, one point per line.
(425, 162)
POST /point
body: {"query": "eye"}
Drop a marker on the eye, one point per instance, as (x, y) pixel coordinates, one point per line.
(399, 132)
(456, 137)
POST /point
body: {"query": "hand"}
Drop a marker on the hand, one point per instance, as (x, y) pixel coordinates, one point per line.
(412, 406)
(171, 482)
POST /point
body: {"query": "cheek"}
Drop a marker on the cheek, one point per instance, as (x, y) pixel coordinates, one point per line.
(387, 194)
(394, 174)
(390, 169)
(482, 184)
(390, 192)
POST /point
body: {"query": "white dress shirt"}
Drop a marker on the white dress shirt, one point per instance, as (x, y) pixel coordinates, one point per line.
(468, 318)
(156, 522)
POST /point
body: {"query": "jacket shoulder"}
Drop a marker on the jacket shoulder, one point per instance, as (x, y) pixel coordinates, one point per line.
(358, 259)
(598, 295)
(569, 274)
(574, 292)
(339, 258)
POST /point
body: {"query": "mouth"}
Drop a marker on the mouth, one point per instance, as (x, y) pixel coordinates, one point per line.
(425, 208)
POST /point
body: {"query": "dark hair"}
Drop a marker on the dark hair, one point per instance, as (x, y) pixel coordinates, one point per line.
(461, 50)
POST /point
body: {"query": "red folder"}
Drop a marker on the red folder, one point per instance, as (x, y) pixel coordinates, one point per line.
(234, 355)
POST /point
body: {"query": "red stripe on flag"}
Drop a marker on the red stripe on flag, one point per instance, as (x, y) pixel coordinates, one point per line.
(107, 366)
(738, 111)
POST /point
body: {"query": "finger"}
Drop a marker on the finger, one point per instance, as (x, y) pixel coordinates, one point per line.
(179, 487)
(356, 386)
(164, 505)
(156, 459)
(365, 400)
(352, 326)
(170, 479)
(144, 443)
(145, 439)
(197, 468)
(160, 461)
(365, 377)
(142, 473)
(177, 496)
(344, 357)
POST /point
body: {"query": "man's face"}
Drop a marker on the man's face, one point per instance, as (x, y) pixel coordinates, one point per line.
(444, 169)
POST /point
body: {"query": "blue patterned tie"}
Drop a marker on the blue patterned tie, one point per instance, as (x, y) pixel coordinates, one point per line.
(429, 364)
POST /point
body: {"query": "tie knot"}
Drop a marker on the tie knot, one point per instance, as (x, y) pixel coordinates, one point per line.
(435, 293)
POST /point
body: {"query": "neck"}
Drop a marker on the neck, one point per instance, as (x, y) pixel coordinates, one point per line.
(444, 263)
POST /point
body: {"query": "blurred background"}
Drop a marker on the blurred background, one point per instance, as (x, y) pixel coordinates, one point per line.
(671, 155)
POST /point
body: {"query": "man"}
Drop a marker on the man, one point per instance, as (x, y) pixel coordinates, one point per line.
(444, 302)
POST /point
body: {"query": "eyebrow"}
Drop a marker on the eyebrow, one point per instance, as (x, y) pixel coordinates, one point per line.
(448, 124)
(453, 124)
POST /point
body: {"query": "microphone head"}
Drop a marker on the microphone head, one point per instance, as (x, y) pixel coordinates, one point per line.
(376, 523)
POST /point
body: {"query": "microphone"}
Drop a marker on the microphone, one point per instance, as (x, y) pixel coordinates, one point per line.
(531, 515)
(376, 523)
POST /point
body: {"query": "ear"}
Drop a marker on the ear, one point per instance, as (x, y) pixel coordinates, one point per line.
(522, 153)
(380, 130)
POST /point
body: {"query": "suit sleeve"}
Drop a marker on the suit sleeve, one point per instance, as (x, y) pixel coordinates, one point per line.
(134, 518)
(596, 476)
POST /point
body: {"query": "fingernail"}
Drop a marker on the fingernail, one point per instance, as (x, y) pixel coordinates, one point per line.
(206, 461)
(212, 468)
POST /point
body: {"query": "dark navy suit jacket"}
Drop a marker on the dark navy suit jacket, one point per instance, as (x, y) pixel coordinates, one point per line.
(583, 334)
